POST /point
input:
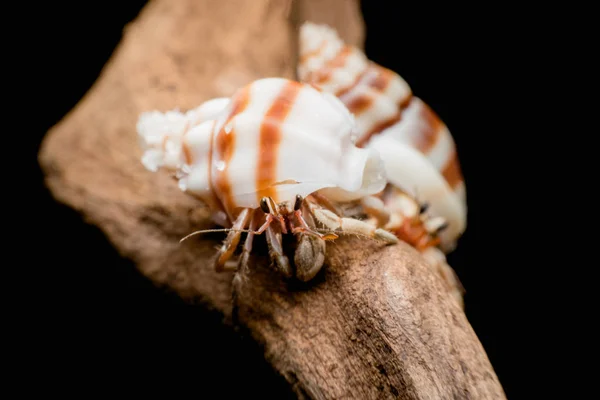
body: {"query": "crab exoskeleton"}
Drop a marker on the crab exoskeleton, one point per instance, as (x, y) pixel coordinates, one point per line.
(276, 158)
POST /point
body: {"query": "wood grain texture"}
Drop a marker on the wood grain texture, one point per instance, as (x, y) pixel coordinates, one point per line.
(375, 324)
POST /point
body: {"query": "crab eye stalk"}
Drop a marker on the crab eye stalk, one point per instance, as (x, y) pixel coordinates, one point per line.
(298, 202)
(264, 205)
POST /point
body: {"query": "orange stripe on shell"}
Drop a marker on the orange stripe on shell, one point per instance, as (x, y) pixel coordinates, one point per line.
(452, 171)
(225, 146)
(270, 139)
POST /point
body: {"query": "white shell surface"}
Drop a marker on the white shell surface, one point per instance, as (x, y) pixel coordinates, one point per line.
(195, 177)
(418, 127)
(288, 139)
(274, 137)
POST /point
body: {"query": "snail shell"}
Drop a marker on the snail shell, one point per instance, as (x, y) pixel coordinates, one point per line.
(417, 148)
(273, 138)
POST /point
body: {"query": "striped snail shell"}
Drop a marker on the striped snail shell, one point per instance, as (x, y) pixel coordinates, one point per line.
(273, 159)
(273, 138)
(418, 150)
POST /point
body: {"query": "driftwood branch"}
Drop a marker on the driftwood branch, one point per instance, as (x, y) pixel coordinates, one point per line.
(376, 323)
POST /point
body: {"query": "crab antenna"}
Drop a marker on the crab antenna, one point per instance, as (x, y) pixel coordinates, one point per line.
(214, 230)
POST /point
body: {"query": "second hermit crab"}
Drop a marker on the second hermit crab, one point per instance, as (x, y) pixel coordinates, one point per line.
(417, 148)
(274, 159)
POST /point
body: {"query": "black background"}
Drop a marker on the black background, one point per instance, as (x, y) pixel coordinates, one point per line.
(108, 324)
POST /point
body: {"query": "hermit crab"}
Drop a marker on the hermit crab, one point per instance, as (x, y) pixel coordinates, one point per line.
(276, 158)
(418, 150)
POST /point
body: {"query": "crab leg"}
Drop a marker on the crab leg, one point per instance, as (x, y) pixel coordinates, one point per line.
(310, 251)
(426, 241)
(374, 207)
(247, 249)
(350, 225)
(429, 237)
(435, 225)
(232, 240)
(306, 229)
(264, 226)
(282, 263)
(324, 202)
